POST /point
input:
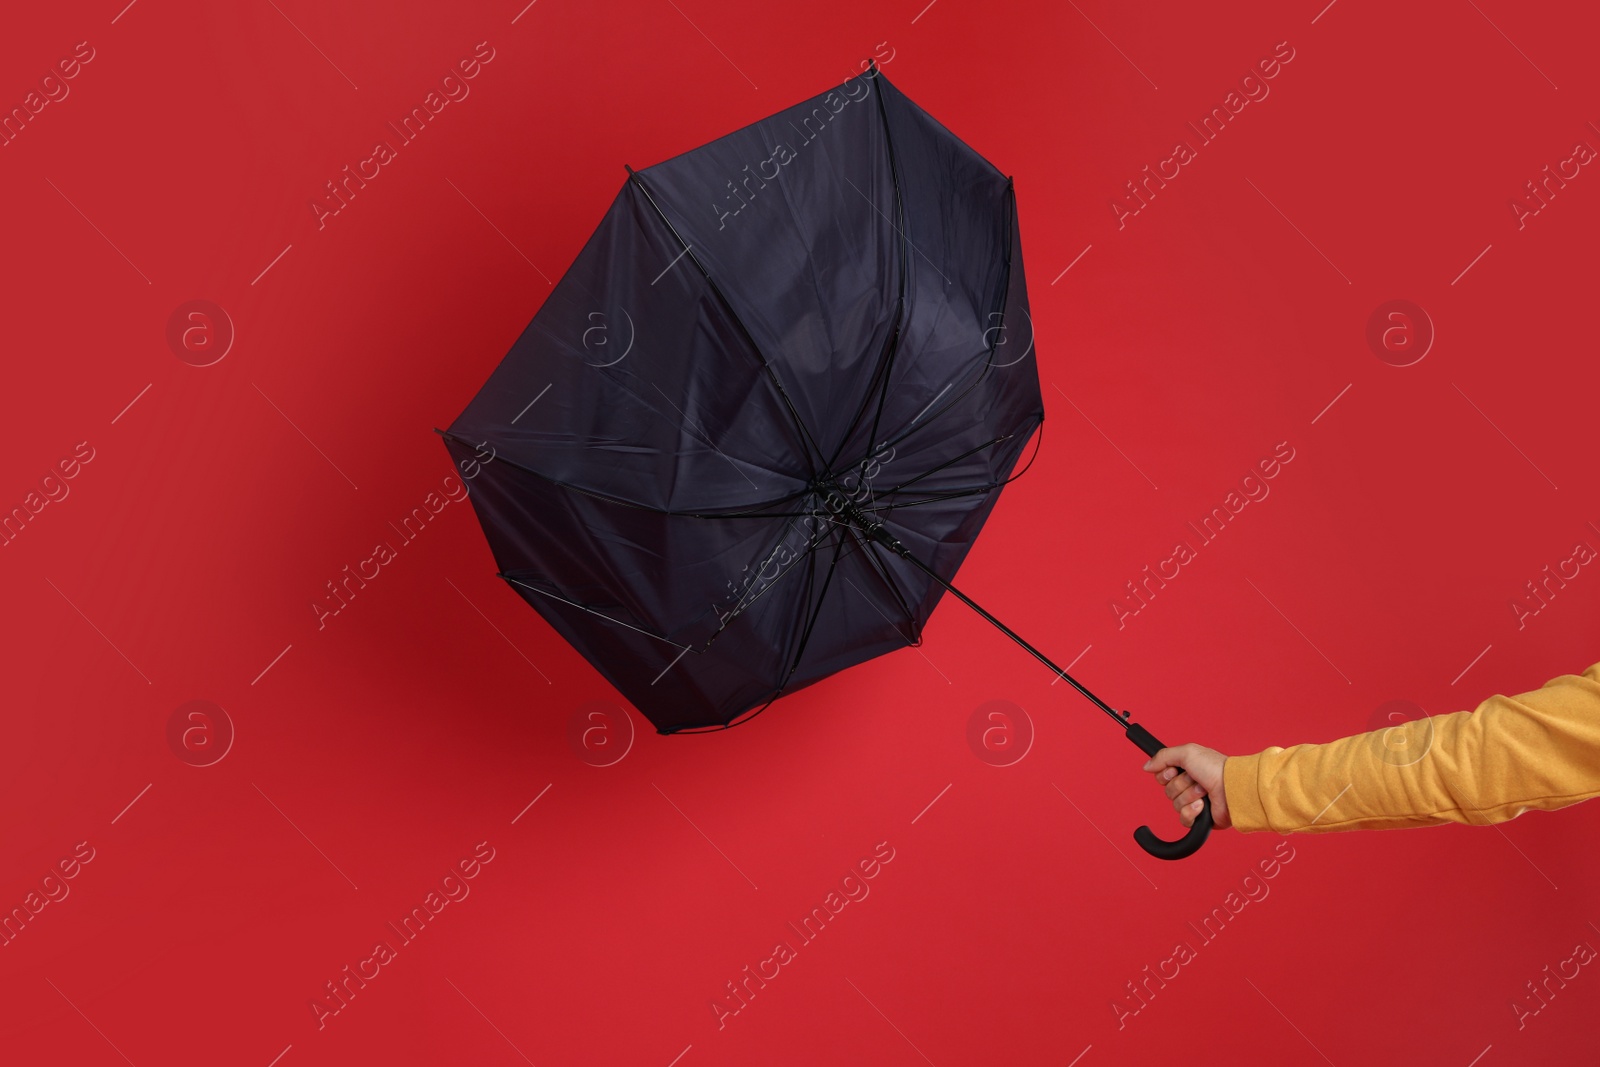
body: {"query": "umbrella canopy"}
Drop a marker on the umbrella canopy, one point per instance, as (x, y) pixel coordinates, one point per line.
(753, 431)
(770, 343)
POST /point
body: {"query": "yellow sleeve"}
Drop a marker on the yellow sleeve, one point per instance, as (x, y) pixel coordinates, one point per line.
(1539, 750)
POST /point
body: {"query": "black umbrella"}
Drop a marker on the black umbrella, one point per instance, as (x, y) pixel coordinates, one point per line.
(754, 430)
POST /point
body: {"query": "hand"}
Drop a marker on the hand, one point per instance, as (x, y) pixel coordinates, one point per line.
(1190, 772)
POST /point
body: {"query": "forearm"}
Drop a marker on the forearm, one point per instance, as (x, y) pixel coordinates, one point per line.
(1539, 750)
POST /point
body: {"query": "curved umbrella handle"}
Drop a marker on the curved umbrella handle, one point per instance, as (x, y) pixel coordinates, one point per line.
(1189, 843)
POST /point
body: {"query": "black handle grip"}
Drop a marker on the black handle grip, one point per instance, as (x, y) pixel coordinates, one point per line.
(1183, 847)
(1189, 843)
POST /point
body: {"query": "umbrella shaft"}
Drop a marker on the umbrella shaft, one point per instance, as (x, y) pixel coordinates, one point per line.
(875, 530)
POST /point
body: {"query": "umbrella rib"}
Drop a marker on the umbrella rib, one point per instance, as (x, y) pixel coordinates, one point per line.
(977, 491)
(947, 463)
(892, 345)
(883, 573)
(956, 494)
(808, 441)
(810, 553)
(805, 639)
(595, 613)
(882, 374)
(969, 491)
(816, 610)
(742, 608)
(905, 263)
(1005, 298)
(748, 514)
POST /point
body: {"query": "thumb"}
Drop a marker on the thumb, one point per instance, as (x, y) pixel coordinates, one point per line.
(1168, 757)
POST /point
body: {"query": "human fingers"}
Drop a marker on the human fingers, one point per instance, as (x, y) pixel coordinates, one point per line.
(1185, 790)
(1168, 758)
(1187, 813)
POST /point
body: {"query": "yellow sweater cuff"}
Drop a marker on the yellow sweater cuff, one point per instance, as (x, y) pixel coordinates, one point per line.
(1241, 789)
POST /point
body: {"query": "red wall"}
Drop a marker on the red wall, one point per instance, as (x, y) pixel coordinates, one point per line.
(1179, 345)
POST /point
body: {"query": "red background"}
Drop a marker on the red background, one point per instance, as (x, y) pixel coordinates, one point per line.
(371, 755)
